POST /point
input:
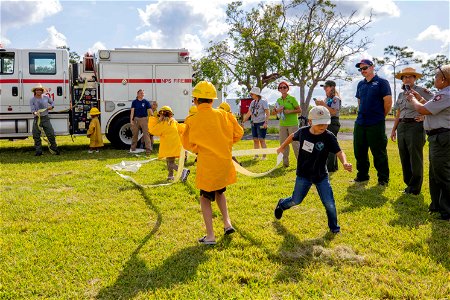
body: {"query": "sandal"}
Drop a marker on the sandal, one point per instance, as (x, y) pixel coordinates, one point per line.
(228, 230)
(205, 242)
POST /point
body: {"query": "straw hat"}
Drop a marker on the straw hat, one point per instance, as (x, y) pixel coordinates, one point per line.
(38, 86)
(408, 71)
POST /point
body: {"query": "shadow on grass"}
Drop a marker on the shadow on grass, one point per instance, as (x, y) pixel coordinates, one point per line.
(439, 242)
(137, 277)
(68, 153)
(411, 210)
(296, 255)
(360, 197)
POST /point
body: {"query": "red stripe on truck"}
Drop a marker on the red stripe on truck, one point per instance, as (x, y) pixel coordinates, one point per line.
(34, 81)
(143, 80)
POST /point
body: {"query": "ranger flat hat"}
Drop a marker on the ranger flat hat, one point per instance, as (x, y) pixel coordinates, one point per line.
(408, 71)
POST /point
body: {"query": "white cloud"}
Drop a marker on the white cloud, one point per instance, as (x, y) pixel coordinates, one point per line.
(97, 46)
(193, 44)
(18, 13)
(154, 38)
(54, 39)
(433, 32)
(4, 42)
(379, 8)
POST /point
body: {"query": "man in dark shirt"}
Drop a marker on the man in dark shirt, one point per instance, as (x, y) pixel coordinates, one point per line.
(140, 109)
(374, 103)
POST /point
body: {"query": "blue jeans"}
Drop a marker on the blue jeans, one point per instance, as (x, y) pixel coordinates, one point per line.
(302, 186)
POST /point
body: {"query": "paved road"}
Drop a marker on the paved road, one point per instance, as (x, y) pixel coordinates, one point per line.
(345, 125)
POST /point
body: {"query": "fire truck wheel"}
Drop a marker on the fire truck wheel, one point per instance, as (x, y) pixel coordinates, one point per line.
(120, 134)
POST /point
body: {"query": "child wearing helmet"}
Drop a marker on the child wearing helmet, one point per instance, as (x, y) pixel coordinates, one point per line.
(211, 133)
(94, 132)
(169, 131)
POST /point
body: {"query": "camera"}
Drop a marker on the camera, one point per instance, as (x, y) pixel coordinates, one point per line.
(406, 87)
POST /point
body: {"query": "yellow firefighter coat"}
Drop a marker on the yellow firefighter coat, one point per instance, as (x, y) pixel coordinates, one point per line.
(95, 134)
(211, 134)
(169, 136)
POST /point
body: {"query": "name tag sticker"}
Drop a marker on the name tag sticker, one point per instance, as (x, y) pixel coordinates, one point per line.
(308, 146)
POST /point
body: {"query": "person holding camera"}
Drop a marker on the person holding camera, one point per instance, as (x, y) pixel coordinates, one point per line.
(333, 104)
(437, 127)
(408, 131)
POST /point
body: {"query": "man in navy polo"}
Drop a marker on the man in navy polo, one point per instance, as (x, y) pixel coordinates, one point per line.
(374, 103)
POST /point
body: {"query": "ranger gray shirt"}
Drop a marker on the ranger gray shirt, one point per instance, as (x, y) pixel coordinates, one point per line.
(439, 107)
(406, 108)
(40, 103)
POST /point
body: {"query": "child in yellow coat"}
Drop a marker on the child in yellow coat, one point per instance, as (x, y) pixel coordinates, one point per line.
(94, 132)
(211, 134)
(169, 131)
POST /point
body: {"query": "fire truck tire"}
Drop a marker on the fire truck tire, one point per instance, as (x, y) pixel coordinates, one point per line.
(120, 134)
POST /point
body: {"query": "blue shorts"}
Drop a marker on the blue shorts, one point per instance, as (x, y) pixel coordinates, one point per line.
(258, 131)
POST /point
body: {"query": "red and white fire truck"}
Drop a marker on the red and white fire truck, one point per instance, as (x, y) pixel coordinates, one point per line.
(108, 80)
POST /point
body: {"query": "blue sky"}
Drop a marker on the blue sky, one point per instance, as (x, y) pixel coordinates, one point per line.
(84, 26)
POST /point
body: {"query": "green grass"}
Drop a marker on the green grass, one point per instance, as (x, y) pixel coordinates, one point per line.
(70, 228)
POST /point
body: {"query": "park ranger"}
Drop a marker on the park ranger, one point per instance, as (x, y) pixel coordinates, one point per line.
(409, 132)
(437, 126)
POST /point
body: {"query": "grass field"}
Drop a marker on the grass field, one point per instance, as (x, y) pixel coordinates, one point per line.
(73, 229)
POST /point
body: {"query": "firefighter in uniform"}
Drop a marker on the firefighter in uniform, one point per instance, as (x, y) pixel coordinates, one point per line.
(40, 104)
(409, 132)
(437, 126)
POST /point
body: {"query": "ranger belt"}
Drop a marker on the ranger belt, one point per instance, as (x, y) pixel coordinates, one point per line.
(437, 131)
(407, 120)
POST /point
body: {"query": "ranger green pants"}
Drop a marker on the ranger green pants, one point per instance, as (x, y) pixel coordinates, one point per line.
(48, 129)
(373, 137)
(440, 172)
(410, 140)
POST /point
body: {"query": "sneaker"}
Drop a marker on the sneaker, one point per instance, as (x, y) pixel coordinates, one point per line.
(38, 153)
(263, 158)
(170, 178)
(97, 151)
(57, 152)
(360, 179)
(278, 210)
(90, 151)
(184, 175)
(256, 157)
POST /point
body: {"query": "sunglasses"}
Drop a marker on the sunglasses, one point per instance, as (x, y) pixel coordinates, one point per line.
(282, 87)
(443, 75)
(363, 68)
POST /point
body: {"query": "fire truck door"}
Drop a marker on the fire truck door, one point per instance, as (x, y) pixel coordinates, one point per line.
(114, 82)
(174, 88)
(50, 68)
(10, 89)
(140, 77)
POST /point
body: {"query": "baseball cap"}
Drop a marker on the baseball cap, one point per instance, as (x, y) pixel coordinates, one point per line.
(364, 61)
(319, 115)
(329, 83)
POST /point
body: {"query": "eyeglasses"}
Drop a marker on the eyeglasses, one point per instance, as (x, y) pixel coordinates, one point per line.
(363, 68)
(282, 87)
(443, 75)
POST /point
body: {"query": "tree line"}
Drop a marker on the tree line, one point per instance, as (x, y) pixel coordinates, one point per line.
(302, 41)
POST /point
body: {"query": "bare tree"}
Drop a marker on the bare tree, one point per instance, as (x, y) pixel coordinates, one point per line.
(252, 54)
(396, 57)
(429, 69)
(320, 41)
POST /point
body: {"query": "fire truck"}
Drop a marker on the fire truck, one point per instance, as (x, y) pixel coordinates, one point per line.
(108, 80)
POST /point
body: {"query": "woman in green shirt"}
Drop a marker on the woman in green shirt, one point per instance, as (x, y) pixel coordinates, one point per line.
(289, 107)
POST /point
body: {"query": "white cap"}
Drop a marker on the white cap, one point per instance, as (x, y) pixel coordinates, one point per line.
(319, 115)
(256, 91)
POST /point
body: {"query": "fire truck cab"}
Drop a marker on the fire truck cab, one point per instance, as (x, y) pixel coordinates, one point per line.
(109, 80)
